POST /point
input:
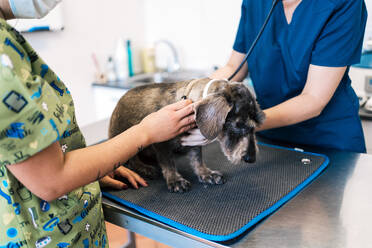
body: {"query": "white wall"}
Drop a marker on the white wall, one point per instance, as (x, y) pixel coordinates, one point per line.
(203, 31)
(358, 75)
(368, 34)
(90, 26)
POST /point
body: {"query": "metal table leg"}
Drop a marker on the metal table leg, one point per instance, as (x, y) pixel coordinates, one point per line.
(131, 243)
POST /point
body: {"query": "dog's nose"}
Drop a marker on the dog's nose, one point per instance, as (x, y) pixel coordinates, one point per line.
(249, 159)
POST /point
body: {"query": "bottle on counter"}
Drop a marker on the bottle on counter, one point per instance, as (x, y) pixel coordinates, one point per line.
(130, 59)
(121, 61)
(148, 60)
(110, 70)
(99, 75)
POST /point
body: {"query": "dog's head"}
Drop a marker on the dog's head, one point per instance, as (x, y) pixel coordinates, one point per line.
(231, 115)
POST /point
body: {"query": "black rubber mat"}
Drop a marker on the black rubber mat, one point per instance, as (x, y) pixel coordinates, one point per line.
(223, 212)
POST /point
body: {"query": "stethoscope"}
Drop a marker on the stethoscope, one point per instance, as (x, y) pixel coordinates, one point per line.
(275, 2)
(205, 91)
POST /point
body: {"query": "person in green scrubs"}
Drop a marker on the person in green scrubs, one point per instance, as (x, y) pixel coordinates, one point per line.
(49, 190)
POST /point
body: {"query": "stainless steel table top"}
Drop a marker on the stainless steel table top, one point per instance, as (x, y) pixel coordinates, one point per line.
(334, 211)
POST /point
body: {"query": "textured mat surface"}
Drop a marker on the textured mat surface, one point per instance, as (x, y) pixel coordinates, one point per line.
(223, 212)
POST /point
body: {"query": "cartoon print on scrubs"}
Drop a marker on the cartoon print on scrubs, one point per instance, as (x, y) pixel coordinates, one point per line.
(36, 109)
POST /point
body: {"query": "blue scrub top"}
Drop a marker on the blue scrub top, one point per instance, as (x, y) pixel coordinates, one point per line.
(322, 32)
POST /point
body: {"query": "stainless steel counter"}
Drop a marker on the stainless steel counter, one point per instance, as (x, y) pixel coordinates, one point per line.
(367, 128)
(334, 211)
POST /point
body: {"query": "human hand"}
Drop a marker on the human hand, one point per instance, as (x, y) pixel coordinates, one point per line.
(169, 121)
(111, 180)
(194, 138)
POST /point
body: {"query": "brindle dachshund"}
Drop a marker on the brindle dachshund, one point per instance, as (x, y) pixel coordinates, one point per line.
(225, 111)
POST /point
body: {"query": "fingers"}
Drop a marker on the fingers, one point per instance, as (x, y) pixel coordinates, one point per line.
(186, 128)
(138, 178)
(187, 121)
(112, 183)
(131, 176)
(179, 105)
(188, 110)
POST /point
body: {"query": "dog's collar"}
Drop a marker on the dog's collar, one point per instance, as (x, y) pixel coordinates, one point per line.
(205, 90)
(188, 88)
(208, 85)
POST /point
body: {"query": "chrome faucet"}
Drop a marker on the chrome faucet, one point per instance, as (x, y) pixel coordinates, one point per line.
(176, 63)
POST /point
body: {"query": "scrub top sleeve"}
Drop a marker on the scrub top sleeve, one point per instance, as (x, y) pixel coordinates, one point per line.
(341, 40)
(240, 44)
(28, 116)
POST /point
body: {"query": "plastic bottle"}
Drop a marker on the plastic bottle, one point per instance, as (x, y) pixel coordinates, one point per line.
(120, 59)
(148, 60)
(110, 70)
(130, 59)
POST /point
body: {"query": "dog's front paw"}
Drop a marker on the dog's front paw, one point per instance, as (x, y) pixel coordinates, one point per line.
(211, 177)
(179, 185)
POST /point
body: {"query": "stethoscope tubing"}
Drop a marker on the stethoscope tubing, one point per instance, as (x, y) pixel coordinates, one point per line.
(275, 2)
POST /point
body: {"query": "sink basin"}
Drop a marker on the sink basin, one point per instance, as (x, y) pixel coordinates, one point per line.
(166, 77)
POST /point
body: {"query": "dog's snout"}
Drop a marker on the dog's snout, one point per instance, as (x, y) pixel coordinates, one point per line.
(249, 159)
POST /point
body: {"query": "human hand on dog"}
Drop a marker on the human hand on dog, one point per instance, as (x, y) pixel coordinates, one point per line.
(194, 138)
(111, 179)
(169, 121)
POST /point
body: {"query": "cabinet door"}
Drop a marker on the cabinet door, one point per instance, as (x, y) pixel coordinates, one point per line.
(105, 99)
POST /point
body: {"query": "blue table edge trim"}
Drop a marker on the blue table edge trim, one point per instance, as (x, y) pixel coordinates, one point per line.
(243, 229)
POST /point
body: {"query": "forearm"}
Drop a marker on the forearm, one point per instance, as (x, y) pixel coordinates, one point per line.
(320, 86)
(223, 72)
(51, 174)
(83, 166)
(226, 71)
(292, 111)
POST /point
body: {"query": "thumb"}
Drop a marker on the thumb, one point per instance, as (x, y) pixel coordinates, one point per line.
(112, 183)
(179, 105)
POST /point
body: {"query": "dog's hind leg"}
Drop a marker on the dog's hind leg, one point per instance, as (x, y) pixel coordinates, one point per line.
(205, 175)
(175, 182)
(144, 170)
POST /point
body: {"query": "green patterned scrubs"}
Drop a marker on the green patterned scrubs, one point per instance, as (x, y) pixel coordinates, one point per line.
(36, 109)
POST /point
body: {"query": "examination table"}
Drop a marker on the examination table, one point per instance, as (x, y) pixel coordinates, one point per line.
(333, 211)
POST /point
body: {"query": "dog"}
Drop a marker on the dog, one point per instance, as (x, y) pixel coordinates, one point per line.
(224, 111)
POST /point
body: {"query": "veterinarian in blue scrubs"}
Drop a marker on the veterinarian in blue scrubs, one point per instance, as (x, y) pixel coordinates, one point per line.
(300, 67)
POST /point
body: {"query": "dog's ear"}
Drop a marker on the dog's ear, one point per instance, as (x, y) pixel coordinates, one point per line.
(259, 116)
(210, 115)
